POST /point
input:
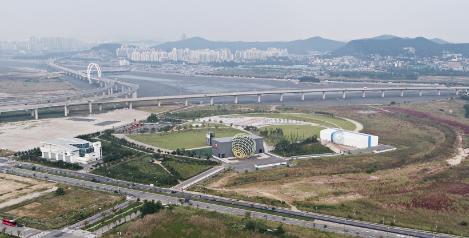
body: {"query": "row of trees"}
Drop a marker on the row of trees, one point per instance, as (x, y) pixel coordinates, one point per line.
(310, 145)
(258, 226)
(150, 207)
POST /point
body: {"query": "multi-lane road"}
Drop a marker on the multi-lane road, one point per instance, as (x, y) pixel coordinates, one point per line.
(215, 203)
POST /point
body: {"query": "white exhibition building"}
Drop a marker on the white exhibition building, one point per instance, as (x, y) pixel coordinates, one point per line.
(348, 138)
(71, 150)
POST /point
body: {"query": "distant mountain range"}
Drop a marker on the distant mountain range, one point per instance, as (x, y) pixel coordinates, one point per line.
(384, 45)
(396, 46)
(314, 44)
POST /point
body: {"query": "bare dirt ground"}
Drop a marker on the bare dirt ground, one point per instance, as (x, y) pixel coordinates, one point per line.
(461, 153)
(15, 189)
(24, 135)
(326, 189)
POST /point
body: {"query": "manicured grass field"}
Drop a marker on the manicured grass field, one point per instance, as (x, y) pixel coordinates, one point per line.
(53, 211)
(191, 138)
(139, 170)
(296, 132)
(186, 168)
(322, 120)
(195, 223)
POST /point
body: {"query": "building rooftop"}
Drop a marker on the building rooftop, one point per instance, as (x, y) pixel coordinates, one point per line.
(67, 141)
(352, 132)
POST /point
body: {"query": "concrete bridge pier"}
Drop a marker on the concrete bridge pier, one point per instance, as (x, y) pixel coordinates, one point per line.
(131, 105)
(402, 93)
(457, 92)
(363, 94)
(439, 92)
(344, 94)
(100, 107)
(323, 95)
(236, 100)
(382, 93)
(66, 110)
(186, 102)
(302, 96)
(259, 98)
(90, 107)
(281, 97)
(420, 93)
(159, 103)
(211, 101)
(36, 114)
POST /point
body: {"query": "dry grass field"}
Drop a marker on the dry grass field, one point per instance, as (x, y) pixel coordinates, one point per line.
(15, 188)
(452, 109)
(412, 186)
(53, 211)
(195, 223)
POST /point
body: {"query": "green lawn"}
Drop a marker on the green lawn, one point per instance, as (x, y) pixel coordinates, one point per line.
(139, 170)
(53, 211)
(186, 168)
(191, 138)
(322, 120)
(296, 132)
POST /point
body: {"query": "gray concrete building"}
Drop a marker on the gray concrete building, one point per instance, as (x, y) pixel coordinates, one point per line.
(223, 147)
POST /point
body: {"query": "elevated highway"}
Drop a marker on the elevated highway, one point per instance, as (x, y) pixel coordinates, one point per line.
(301, 93)
(119, 92)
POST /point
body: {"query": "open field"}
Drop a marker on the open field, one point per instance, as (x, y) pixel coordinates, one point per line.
(448, 109)
(15, 189)
(54, 211)
(191, 138)
(294, 133)
(412, 186)
(195, 223)
(24, 135)
(187, 168)
(140, 170)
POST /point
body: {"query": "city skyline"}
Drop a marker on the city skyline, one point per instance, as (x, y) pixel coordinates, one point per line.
(260, 20)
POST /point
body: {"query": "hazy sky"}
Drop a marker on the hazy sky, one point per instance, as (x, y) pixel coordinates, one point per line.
(105, 20)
